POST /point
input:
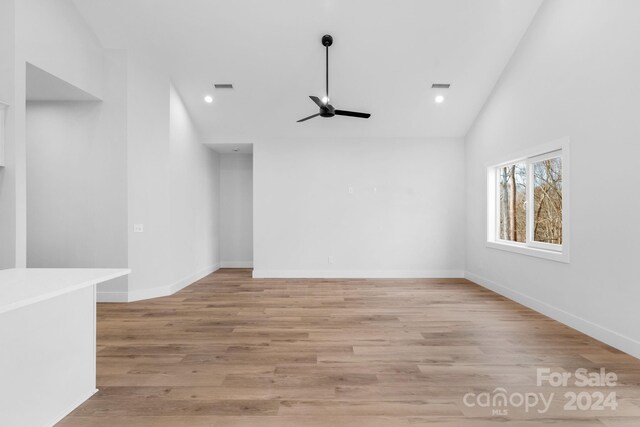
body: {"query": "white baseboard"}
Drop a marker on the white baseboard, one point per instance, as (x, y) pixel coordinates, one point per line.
(236, 264)
(142, 294)
(357, 274)
(77, 403)
(181, 284)
(121, 296)
(607, 336)
(159, 291)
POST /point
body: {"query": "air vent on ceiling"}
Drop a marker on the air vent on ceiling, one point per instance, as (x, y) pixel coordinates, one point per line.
(223, 85)
(441, 86)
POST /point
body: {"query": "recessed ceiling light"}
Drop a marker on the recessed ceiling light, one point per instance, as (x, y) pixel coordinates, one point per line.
(208, 99)
(439, 99)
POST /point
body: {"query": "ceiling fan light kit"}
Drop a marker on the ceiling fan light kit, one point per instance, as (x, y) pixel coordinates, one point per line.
(326, 109)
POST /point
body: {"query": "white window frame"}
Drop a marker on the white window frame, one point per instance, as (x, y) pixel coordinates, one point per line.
(558, 148)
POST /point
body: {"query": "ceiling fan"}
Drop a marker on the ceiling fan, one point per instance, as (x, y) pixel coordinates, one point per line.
(326, 109)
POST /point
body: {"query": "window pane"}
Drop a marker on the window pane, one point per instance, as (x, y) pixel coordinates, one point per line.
(547, 200)
(512, 180)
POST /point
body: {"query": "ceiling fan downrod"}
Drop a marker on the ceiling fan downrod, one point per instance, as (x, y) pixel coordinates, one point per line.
(327, 41)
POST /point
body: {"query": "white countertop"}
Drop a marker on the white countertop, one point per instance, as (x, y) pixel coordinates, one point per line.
(20, 287)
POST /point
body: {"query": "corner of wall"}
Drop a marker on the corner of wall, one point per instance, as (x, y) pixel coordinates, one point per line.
(157, 292)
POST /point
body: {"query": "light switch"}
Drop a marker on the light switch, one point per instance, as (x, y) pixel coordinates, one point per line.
(138, 228)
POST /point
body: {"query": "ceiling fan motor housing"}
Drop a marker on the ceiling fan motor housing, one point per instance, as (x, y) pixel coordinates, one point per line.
(328, 111)
(327, 40)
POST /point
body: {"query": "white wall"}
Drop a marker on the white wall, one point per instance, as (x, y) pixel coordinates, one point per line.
(173, 187)
(412, 226)
(195, 196)
(574, 74)
(8, 172)
(236, 210)
(53, 36)
(171, 180)
(77, 180)
(134, 158)
(149, 175)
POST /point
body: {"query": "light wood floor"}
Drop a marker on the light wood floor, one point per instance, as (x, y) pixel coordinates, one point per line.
(232, 351)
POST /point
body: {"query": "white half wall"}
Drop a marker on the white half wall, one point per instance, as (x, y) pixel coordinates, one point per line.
(359, 208)
(236, 210)
(574, 74)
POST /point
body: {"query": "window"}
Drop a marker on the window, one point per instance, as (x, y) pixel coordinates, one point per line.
(527, 203)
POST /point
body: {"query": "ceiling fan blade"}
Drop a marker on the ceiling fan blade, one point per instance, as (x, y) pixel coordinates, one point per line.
(352, 114)
(317, 101)
(307, 118)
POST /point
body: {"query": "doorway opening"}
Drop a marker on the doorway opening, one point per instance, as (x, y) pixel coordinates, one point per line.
(236, 205)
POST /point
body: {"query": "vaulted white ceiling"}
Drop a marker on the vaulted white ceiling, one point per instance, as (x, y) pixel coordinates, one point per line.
(386, 55)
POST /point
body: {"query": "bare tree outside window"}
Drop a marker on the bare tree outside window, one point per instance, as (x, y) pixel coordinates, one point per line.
(513, 200)
(547, 200)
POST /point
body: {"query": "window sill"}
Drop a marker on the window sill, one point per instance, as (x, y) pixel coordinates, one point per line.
(529, 251)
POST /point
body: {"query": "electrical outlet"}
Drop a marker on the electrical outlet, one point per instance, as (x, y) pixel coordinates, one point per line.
(138, 228)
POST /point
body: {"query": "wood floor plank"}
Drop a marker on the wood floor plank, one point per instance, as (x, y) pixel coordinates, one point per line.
(234, 351)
